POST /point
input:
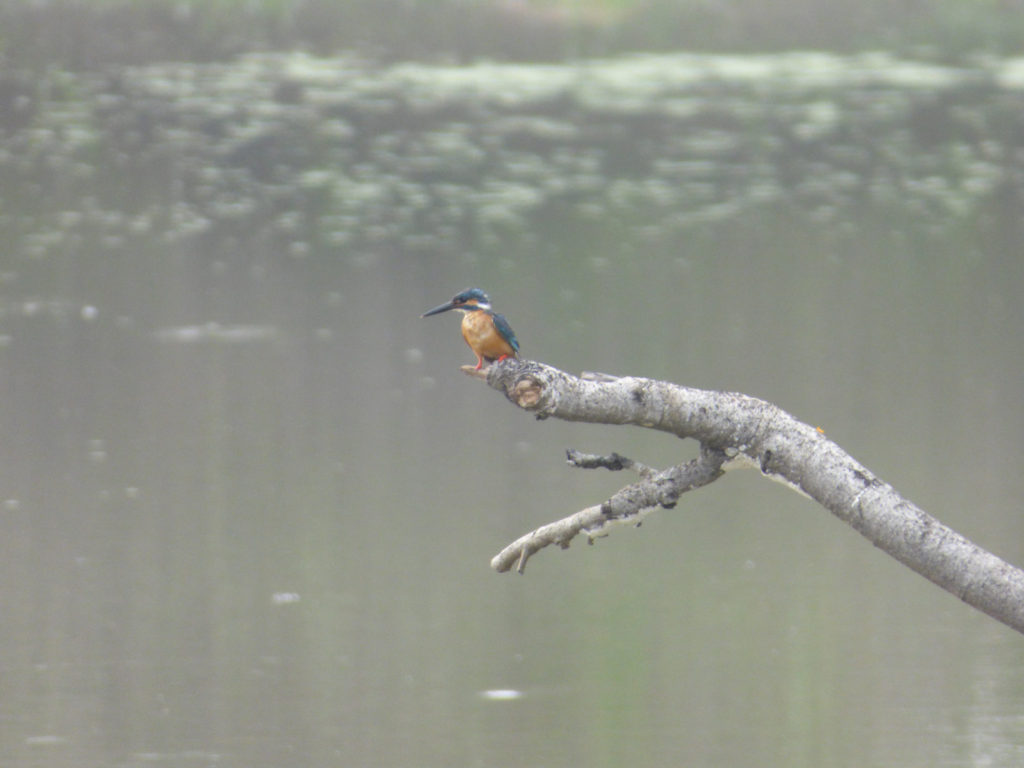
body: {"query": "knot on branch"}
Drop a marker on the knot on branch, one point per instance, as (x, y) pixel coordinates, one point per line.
(613, 462)
(526, 393)
(524, 383)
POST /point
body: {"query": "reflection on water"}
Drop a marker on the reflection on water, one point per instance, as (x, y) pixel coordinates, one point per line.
(215, 332)
(249, 501)
(306, 153)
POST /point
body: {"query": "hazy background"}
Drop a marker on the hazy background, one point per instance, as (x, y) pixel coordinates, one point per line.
(248, 501)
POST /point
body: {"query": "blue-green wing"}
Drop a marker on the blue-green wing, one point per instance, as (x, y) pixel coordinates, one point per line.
(505, 330)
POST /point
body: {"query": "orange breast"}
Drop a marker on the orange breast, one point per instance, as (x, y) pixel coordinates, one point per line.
(479, 332)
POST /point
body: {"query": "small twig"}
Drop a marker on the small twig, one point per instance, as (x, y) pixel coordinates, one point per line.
(561, 532)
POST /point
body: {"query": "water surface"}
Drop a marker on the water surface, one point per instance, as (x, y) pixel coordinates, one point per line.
(249, 501)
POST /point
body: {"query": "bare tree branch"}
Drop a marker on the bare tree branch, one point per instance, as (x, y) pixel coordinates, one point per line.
(628, 505)
(738, 430)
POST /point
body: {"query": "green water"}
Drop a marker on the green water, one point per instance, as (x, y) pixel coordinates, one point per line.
(249, 501)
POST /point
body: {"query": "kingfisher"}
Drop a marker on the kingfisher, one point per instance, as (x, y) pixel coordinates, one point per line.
(488, 334)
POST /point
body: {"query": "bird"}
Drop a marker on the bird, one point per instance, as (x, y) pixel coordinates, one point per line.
(488, 334)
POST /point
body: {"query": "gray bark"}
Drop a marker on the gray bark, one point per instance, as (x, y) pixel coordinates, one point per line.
(738, 430)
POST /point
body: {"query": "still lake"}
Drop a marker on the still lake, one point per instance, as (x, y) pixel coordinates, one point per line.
(248, 501)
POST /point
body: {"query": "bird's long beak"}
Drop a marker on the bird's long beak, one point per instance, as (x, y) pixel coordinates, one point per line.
(438, 310)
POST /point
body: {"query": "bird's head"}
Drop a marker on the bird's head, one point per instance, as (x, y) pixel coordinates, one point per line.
(468, 300)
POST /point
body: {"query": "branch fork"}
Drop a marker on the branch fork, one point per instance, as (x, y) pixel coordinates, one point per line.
(629, 505)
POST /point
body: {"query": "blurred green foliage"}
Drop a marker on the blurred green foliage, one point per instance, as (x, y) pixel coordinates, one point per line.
(81, 34)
